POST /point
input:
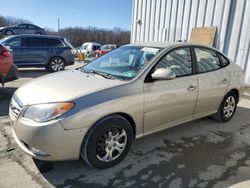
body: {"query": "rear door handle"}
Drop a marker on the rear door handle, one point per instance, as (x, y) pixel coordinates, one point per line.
(192, 88)
(224, 81)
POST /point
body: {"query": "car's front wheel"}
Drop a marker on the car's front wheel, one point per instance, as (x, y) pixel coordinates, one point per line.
(56, 64)
(108, 142)
(9, 32)
(227, 107)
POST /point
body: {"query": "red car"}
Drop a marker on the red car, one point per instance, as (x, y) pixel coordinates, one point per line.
(8, 71)
(105, 49)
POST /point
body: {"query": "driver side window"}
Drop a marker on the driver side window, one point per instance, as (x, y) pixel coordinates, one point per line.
(22, 26)
(16, 42)
(178, 60)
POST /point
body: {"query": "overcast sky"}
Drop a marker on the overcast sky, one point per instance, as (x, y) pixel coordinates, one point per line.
(44, 13)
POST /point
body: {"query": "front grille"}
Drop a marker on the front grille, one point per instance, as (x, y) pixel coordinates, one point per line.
(15, 108)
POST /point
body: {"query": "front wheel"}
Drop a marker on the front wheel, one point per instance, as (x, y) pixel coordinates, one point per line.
(9, 32)
(227, 107)
(56, 64)
(108, 142)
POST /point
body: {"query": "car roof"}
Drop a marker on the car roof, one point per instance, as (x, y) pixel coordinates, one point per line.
(38, 36)
(170, 44)
(94, 43)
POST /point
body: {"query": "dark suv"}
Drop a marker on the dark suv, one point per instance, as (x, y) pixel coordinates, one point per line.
(51, 52)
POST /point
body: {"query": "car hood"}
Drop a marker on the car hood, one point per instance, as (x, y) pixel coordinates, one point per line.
(62, 86)
(2, 28)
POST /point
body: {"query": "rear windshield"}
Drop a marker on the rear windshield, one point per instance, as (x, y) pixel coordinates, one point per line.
(68, 43)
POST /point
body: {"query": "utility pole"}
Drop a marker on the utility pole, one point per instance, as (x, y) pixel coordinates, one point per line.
(58, 25)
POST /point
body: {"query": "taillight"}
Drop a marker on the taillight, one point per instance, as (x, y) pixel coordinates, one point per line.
(6, 53)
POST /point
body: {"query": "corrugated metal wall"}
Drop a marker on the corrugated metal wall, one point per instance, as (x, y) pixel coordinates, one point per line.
(171, 20)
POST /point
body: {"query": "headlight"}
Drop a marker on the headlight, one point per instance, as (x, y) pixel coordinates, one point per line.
(46, 112)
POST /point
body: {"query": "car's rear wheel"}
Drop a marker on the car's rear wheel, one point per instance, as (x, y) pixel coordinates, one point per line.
(56, 64)
(9, 32)
(227, 107)
(108, 142)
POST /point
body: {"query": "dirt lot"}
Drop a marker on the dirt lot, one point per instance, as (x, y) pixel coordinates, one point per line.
(203, 153)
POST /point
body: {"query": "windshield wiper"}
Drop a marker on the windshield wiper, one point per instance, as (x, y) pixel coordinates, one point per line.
(103, 74)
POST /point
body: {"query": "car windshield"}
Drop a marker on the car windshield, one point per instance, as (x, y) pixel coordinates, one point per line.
(123, 63)
(104, 47)
(84, 46)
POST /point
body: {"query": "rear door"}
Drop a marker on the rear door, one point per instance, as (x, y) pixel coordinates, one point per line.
(21, 29)
(31, 29)
(38, 50)
(171, 101)
(213, 81)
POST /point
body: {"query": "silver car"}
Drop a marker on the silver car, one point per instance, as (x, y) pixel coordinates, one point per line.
(96, 112)
(22, 29)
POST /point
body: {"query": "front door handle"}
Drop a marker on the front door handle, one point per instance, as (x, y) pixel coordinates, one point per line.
(192, 88)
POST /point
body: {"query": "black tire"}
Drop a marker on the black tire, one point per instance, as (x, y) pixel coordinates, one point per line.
(47, 67)
(38, 33)
(88, 54)
(9, 32)
(56, 64)
(97, 142)
(226, 111)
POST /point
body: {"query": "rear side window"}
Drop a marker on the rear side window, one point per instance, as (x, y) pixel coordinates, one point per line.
(36, 42)
(54, 43)
(178, 60)
(44, 42)
(31, 27)
(207, 60)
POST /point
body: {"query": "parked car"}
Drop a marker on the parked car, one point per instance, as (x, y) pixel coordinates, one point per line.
(89, 48)
(105, 49)
(22, 29)
(51, 52)
(8, 71)
(131, 92)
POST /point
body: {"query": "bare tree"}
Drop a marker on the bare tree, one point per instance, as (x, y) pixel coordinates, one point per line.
(79, 35)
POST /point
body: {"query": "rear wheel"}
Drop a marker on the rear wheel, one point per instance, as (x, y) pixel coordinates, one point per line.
(227, 107)
(108, 142)
(56, 64)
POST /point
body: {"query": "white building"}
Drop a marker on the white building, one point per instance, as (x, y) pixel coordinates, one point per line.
(172, 20)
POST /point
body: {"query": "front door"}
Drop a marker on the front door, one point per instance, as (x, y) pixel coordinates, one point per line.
(17, 44)
(167, 102)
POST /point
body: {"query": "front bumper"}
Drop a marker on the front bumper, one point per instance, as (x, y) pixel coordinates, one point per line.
(54, 142)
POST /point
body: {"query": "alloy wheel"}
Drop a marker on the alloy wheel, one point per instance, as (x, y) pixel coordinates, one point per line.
(111, 144)
(57, 64)
(229, 106)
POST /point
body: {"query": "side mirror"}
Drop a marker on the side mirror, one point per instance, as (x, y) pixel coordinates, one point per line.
(163, 74)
